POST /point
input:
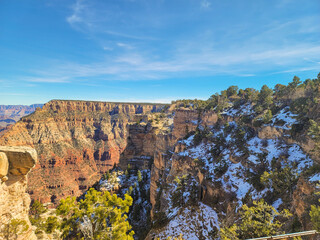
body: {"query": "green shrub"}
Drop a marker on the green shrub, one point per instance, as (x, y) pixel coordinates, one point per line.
(267, 116)
(97, 216)
(256, 221)
(51, 224)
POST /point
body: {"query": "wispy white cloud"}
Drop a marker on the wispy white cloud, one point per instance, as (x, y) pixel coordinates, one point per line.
(47, 80)
(77, 9)
(299, 69)
(124, 45)
(124, 35)
(205, 4)
(238, 50)
(107, 48)
(87, 19)
(137, 66)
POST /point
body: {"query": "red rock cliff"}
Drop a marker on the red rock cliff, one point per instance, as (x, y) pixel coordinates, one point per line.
(76, 142)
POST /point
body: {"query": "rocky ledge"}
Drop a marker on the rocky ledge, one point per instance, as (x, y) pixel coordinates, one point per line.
(15, 163)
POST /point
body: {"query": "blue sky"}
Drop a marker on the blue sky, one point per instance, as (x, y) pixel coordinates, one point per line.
(152, 50)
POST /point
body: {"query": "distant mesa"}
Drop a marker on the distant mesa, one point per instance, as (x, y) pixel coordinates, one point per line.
(10, 114)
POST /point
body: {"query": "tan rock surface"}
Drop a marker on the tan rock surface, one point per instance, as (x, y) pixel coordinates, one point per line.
(14, 201)
(22, 159)
(4, 165)
(184, 120)
(269, 132)
(187, 120)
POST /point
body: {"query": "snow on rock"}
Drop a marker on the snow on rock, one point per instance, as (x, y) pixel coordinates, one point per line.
(118, 179)
(111, 183)
(190, 222)
(254, 145)
(274, 148)
(195, 122)
(285, 116)
(297, 155)
(277, 203)
(315, 178)
(245, 109)
(230, 112)
(188, 141)
(200, 151)
(234, 180)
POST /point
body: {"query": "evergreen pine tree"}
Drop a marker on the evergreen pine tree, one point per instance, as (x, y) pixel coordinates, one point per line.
(97, 216)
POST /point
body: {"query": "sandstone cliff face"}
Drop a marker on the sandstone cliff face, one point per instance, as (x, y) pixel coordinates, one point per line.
(76, 142)
(61, 106)
(144, 142)
(15, 163)
(187, 120)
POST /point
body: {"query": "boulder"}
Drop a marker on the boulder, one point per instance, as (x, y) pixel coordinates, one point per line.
(21, 159)
(269, 132)
(4, 165)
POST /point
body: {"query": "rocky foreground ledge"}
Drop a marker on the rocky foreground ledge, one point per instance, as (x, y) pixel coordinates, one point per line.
(15, 164)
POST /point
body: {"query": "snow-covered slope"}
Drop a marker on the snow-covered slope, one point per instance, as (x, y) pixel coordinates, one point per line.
(227, 166)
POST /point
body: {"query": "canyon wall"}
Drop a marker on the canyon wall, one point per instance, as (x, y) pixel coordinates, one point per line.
(144, 142)
(221, 167)
(76, 141)
(15, 112)
(10, 114)
(15, 164)
(186, 121)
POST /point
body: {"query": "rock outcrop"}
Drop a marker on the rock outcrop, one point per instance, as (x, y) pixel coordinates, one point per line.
(76, 141)
(15, 164)
(186, 121)
(4, 165)
(269, 132)
(143, 143)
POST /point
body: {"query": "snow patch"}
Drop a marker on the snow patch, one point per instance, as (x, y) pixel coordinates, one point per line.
(287, 117)
(190, 222)
(315, 178)
(277, 203)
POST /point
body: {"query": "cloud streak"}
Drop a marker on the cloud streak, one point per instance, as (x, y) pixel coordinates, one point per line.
(140, 67)
(205, 4)
(45, 79)
(77, 9)
(239, 50)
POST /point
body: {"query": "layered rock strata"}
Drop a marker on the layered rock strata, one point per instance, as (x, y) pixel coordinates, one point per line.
(77, 141)
(10, 114)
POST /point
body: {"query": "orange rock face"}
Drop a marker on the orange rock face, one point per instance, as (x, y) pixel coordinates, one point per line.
(76, 141)
(186, 121)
